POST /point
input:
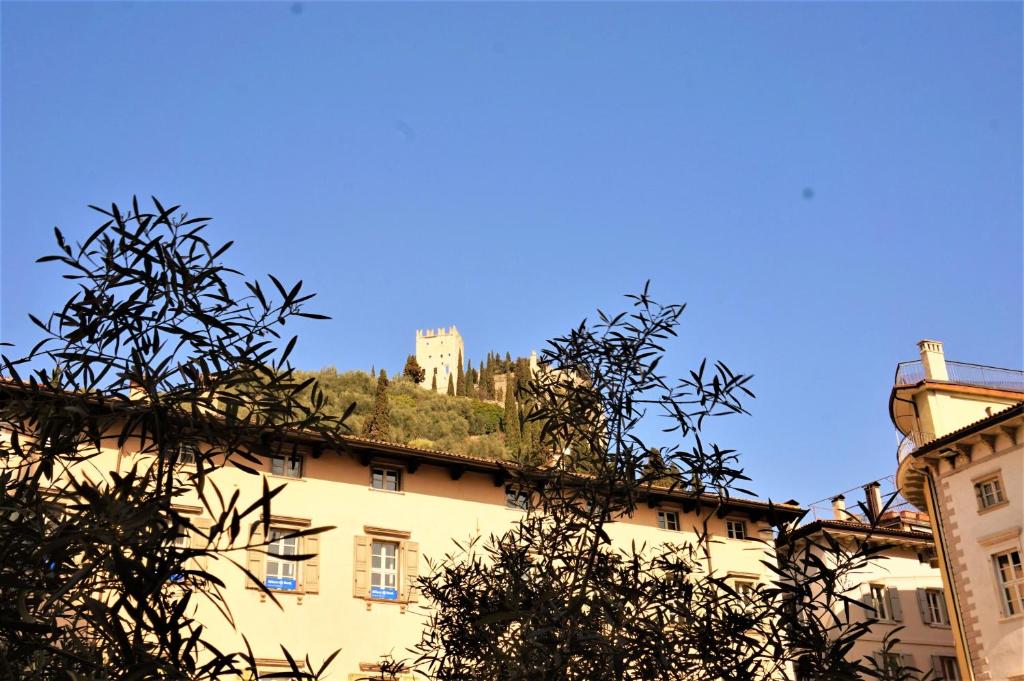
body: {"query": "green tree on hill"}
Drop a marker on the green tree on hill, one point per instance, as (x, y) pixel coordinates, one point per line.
(433, 381)
(511, 420)
(451, 386)
(413, 371)
(379, 425)
(460, 380)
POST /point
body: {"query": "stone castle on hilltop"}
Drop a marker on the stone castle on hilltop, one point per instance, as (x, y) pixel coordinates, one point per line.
(438, 353)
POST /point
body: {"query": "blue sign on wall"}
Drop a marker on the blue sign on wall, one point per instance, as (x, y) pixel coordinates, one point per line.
(384, 593)
(281, 583)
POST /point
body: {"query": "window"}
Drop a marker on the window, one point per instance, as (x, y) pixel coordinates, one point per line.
(736, 529)
(384, 570)
(282, 573)
(744, 587)
(932, 606)
(989, 492)
(286, 466)
(945, 668)
(1010, 575)
(387, 479)
(187, 454)
(886, 603)
(668, 520)
(516, 497)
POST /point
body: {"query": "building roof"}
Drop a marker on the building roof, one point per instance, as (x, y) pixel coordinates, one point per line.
(995, 419)
(859, 528)
(366, 449)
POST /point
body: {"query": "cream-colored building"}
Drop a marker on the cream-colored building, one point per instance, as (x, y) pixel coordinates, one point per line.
(393, 507)
(438, 352)
(903, 586)
(962, 462)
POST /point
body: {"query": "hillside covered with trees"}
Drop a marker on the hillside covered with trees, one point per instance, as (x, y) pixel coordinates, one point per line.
(414, 416)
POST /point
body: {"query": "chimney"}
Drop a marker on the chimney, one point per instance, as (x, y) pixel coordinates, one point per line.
(933, 360)
(873, 497)
(839, 508)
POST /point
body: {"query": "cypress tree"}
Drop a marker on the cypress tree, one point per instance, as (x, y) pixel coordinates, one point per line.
(460, 381)
(512, 434)
(433, 381)
(379, 425)
(508, 361)
(451, 386)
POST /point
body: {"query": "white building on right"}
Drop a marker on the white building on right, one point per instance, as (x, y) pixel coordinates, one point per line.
(962, 462)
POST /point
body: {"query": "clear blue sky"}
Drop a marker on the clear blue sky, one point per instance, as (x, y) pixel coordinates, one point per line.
(824, 183)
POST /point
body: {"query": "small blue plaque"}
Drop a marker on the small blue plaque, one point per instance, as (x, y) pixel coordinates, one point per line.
(281, 583)
(384, 593)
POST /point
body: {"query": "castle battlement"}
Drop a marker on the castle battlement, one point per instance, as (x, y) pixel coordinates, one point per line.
(434, 333)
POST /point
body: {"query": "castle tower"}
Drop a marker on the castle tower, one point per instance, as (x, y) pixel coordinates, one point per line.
(439, 349)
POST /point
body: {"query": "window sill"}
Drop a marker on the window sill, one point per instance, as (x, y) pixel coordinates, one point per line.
(1011, 618)
(387, 491)
(286, 478)
(982, 510)
(940, 625)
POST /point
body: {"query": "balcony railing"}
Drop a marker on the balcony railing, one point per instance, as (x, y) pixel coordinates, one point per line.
(908, 373)
(911, 442)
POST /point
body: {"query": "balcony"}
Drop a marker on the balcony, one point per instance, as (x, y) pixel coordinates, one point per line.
(910, 443)
(909, 373)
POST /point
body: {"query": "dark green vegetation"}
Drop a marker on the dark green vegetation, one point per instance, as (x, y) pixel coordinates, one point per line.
(158, 338)
(417, 417)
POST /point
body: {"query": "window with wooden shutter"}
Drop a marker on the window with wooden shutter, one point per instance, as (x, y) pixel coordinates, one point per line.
(361, 568)
(893, 597)
(199, 539)
(410, 566)
(311, 567)
(254, 559)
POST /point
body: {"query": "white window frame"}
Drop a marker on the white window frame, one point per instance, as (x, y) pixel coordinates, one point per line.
(1010, 582)
(666, 520)
(384, 472)
(989, 492)
(948, 668)
(731, 526)
(880, 601)
(384, 566)
(744, 587)
(187, 454)
(287, 465)
(279, 567)
(935, 601)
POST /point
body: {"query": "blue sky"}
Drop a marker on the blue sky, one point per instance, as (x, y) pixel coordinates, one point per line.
(824, 184)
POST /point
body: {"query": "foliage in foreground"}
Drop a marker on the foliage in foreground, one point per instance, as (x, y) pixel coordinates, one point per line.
(554, 599)
(155, 343)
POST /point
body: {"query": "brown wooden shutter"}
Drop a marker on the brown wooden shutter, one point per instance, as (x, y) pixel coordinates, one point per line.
(254, 560)
(361, 568)
(893, 596)
(410, 569)
(198, 540)
(311, 567)
(922, 606)
(865, 598)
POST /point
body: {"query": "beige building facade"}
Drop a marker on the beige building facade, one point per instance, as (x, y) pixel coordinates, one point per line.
(392, 508)
(962, 462)
(903, 586)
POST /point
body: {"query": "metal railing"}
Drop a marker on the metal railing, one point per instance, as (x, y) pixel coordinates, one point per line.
(910, 443)
(908, 373)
